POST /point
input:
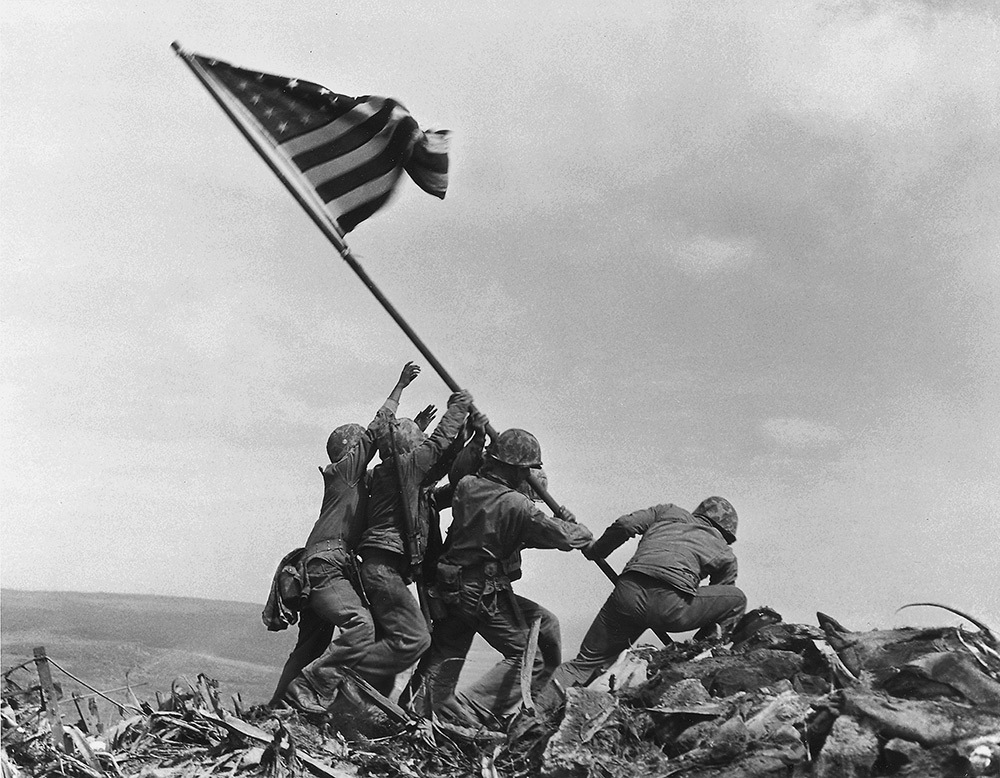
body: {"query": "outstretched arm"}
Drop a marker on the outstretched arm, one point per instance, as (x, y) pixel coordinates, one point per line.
(427, 454)
(543, 531)
(625, 527)
(406, 376)
(353, 465)
(391, 404)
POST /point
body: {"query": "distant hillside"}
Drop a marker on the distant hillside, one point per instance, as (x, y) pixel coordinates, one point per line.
(100, 637)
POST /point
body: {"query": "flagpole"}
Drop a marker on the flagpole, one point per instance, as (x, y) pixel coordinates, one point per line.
(326, 225)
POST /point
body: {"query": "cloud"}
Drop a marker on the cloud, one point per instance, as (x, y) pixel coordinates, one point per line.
(761, 211)
(705, 254)
(800, 433)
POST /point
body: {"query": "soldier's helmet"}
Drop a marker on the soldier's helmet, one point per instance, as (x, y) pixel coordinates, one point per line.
(721, 513)
(516, 447)
(342, 440)
(406, 436)
(526, 488)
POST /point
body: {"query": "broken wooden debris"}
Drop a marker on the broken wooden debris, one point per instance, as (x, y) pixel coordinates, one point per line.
(528, 665)
(788, 700)
(591, 740)
(49, 697)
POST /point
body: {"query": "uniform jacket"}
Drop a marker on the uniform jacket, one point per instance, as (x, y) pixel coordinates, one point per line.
(421, 469)
(676, 547)
(345, 488)
(491, 522)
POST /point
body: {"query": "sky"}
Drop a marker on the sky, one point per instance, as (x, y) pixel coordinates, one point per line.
(701, 247)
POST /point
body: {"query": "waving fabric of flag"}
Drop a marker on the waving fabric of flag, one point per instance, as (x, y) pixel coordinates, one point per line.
(350, 150)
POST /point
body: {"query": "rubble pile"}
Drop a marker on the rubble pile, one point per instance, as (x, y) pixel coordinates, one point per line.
(191, 733)
(794, 700)
(779, 700)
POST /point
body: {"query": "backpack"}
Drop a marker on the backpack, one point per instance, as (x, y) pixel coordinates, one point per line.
(289, 591)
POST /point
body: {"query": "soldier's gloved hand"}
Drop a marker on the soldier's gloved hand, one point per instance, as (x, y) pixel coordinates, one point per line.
(425, 417)
(409, 372)
(461, 399)
(566, 514)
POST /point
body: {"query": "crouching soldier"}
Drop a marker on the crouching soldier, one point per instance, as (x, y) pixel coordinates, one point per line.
(659, 588)
(332, 599)
(396, 536)
(492, 521)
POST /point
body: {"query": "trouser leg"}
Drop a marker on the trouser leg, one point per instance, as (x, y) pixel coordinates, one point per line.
(338, 603)
(401, 632)
(619, 623)
(736, 610)
(442, 665)
(507, 632)
(673, 611)
(314, 637)
(549, 653)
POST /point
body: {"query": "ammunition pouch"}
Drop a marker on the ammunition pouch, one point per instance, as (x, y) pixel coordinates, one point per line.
(449, 584)
(486, 582)
(435, 604)
(494, 586)
(492, 574)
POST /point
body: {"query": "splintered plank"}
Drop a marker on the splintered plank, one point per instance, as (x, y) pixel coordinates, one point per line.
(49, 693)
(528, 665)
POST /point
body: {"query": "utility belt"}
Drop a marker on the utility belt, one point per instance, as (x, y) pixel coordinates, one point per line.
(481, 588)
(491, 571)
(453, 576)
(344, 557)
(490, 578)
(335, 544)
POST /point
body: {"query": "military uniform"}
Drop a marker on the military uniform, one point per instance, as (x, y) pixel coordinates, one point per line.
(389, 559)
(330, 572)
(491, 523)
(659, 588)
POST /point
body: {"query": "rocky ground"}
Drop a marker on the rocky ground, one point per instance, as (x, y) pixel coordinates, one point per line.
(781, 700)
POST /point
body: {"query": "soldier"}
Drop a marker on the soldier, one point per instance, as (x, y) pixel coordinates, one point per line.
(659, 588)
(396, 537)
(329, 566)
(491, 522)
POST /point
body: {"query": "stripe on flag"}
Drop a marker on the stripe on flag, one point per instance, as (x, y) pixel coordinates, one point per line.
(350, 151)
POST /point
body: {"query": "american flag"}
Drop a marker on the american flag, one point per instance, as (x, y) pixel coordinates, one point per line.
(350, 150)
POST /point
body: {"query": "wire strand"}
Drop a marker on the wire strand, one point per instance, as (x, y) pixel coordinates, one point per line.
(84, 683)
